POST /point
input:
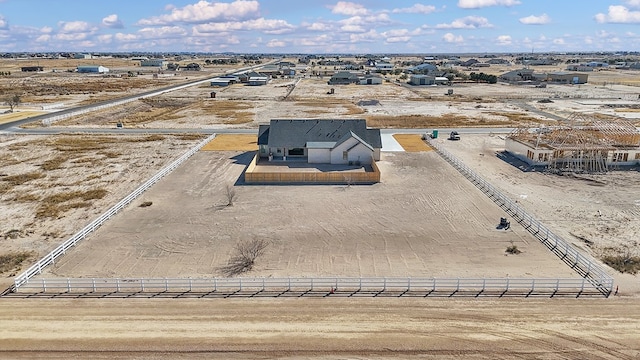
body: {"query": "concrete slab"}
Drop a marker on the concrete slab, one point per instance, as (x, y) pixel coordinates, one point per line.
(389, 143)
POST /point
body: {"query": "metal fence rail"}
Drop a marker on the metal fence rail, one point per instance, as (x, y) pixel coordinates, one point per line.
(72, 241)
(584, 265)
(317, 286)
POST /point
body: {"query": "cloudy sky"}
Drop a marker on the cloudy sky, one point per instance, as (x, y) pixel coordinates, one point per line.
(320, 26)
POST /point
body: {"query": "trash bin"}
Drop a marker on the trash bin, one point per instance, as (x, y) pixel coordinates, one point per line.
(434, 134)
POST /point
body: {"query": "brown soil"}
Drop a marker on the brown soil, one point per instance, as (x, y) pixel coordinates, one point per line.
(320, 329)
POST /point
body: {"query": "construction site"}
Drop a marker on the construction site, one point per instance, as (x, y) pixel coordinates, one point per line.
(584, 143)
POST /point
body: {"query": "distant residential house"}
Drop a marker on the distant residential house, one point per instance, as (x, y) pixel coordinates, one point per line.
(562, 77)
(224, 80)
(92, 69)
(425, 68)
(470, 62)
(320, 141)
(344, 78)
(370, 80)
(520, 75)
(258, 80)
(579, 67)
(383, 66)
(31, 68)
(245, 76)
(191, 67)
(153, 62)
(83, 56)
(597, 64)
(419, 79)
(498, 61)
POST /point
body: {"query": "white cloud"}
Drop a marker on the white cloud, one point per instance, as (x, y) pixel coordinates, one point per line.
(126, 37)
(633, 3)
(268, 26)
(504, 40)
(349, 8)
(163, 32)
(43, 38)
(536, 20)
(105, 38)
(468, 22)
(204, 11)
(369, 36)
(3, 23)
(75, 27)
(416, 9)
(451, 38)
(318, 26)
(618, 14)
(112, 21)
(588, 40)
(276, 43)
(476, 4)
(558, 41)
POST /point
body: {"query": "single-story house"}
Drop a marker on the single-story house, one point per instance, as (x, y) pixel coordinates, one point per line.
(31, 68)
(258, 80)
(422, 68)
(344, 78)
(224, 80)
(422, 80)
(383, 66)
(92, 69)
(154, 62)
(562, 77)
(318, 141)
(370, 80)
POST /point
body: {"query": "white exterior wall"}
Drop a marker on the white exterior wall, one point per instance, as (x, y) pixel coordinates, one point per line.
(319, 156)
(518, 149)
(376, 154)
(358, 153)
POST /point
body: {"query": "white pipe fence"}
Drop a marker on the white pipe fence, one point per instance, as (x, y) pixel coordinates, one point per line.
(318, 286)
(582, 264)
(50, 258)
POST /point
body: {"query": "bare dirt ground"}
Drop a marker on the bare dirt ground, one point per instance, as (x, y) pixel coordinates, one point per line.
(320, 329)
(597, 213)
(51, 187)
(423, 219)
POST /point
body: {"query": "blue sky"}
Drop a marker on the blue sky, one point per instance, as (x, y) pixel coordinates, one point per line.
(320, 26)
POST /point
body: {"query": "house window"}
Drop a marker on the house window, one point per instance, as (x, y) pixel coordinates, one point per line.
(345, 155)
(296, 152)
(530, 154)
(278, 151)
(620, 157)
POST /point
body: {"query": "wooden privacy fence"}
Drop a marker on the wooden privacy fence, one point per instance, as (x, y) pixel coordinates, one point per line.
(50, 258)
(584, 265)
(317, 286)
(251, 176)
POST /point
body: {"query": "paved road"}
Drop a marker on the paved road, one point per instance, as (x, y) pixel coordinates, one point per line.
(130, 131)
(87, 108)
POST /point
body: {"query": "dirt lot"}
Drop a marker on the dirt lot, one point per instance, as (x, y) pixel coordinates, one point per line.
(599, 214)
(50, 187)
(423, 219)
(326, 328)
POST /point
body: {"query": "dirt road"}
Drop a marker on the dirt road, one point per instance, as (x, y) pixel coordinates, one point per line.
(320, 328)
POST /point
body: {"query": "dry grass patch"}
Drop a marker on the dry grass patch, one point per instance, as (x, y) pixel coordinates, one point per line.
(515, 118)
(13, 260)
(232, 142)
(425, 121)
(412, 142)
(53, 205)
(190, 136)
(20, 179)
(25, 197)
(55, 163)
(232, 112)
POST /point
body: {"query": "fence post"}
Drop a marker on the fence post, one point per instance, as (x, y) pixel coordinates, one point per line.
(118, 284)
(289, 289)
(215, 284)
(240, 283)
(142, 284)
(93, 283)
(507, 284)
(44, 285)
(166, 284)
(458, 285)
(190, 284)
(68, 285)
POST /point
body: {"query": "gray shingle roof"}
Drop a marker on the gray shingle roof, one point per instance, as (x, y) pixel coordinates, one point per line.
(297, 133)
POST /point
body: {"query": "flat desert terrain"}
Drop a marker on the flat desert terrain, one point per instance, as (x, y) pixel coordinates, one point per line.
(328, 328)
(422, 220)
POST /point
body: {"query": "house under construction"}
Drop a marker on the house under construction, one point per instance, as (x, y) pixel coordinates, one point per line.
(585, 144)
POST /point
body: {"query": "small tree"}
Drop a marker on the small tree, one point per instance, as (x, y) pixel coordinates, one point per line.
(246, 253)
(13, 101)
(230, 194)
